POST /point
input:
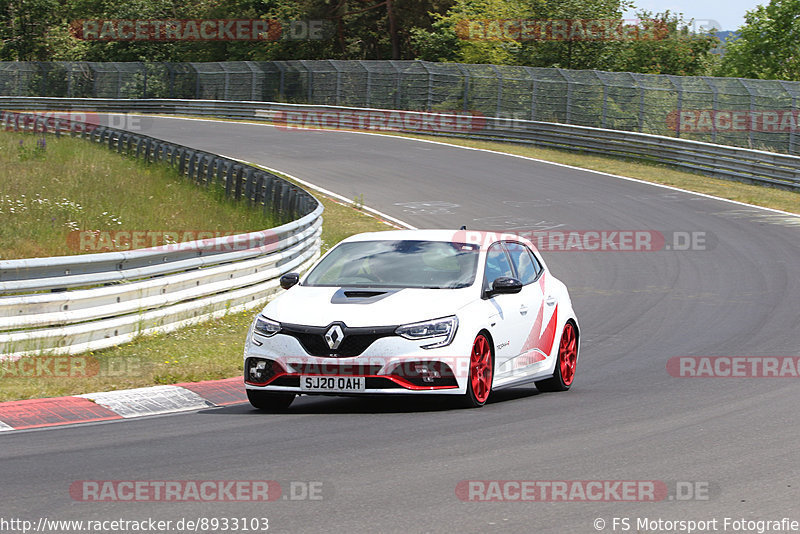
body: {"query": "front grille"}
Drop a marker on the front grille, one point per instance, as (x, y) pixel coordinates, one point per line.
(356, 340)
(336, 369)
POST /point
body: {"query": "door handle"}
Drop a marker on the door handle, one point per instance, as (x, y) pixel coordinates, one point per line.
(550, 301)
(523, 309)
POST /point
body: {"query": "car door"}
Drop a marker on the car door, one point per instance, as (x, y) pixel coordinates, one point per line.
(537, 333)
(507, 313)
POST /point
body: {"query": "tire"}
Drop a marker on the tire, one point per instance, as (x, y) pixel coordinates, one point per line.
(564, 373)
(481, 373)
(269, 402)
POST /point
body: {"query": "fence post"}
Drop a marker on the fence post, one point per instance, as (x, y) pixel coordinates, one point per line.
(790, 148)
(398, 85)
(171, 82)
(466, 76)
(499, 104)
(641, 106)
(429, 104)
(281, 81)
(605, 99)
(226, 95)
(338, 84)
(752, 112)
(252, 80)
(368, 95)
(714, 105)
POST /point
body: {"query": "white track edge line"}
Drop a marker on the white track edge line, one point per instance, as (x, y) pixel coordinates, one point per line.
(328, 193)
(564, 165)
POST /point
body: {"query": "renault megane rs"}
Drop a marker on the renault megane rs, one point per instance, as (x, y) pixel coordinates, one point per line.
(425, 312)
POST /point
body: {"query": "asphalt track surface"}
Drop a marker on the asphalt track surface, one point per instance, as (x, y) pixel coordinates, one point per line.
(393, 465)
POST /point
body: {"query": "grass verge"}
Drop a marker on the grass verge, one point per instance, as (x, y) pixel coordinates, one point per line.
(55, 189)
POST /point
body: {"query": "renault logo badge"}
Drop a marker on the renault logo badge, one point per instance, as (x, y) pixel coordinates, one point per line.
(334, 337)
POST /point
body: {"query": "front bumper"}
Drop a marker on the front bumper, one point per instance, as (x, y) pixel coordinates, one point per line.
(389, 365)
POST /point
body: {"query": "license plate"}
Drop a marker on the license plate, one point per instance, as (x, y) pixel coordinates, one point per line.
(335, 384)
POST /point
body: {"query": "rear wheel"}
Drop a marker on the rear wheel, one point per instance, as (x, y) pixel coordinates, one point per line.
(481, 369)
(268, 401)
(564, 373)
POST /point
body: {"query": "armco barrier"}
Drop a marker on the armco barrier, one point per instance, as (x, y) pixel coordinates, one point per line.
(725, 162)
(70, 304)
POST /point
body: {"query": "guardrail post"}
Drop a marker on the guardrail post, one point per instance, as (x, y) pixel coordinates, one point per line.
(222, 169)
(269, 192)
(190, 165)
(209, 174)
(249, 185)
(230, 176)
(236, 185)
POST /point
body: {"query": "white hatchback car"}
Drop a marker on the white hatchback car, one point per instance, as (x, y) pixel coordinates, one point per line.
(425, 312)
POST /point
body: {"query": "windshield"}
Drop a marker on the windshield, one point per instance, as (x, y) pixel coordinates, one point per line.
(417, 264)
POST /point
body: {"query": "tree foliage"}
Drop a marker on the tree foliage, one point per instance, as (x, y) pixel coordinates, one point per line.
(357, 29)
(769, 43)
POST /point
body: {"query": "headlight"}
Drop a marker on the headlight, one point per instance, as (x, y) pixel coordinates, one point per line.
(444, 328)
(265, 327)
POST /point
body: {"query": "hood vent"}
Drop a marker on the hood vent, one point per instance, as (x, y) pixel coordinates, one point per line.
(361, 295)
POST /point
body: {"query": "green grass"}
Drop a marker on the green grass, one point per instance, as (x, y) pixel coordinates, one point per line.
(49, 195)
(206, 351)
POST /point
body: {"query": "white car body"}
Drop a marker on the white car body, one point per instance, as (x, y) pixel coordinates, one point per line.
(524, 330)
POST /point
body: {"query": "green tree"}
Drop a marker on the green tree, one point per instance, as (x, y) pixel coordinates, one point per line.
(23, 28)
(673, 50)
(769, 44)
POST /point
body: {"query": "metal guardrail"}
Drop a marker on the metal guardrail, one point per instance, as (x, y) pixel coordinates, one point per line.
(100, 300)
(725, 162)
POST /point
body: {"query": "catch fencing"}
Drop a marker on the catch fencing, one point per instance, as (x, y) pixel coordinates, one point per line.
(757, 114)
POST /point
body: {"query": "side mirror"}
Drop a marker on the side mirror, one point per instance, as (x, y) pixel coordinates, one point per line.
(289, 279)
(505, 285)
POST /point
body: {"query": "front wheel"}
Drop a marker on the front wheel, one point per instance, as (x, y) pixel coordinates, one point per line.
(481, 369)
(268, 401)
(564, 373)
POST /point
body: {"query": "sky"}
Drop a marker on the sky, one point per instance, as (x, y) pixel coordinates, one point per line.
(729, 14)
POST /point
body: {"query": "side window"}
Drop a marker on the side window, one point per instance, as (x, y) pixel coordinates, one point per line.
(525, 263)
(497, 264)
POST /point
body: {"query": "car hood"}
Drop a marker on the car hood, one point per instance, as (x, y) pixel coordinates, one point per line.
(320, 306)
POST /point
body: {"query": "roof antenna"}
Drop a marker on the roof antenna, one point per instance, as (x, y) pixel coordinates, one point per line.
(463, 227)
